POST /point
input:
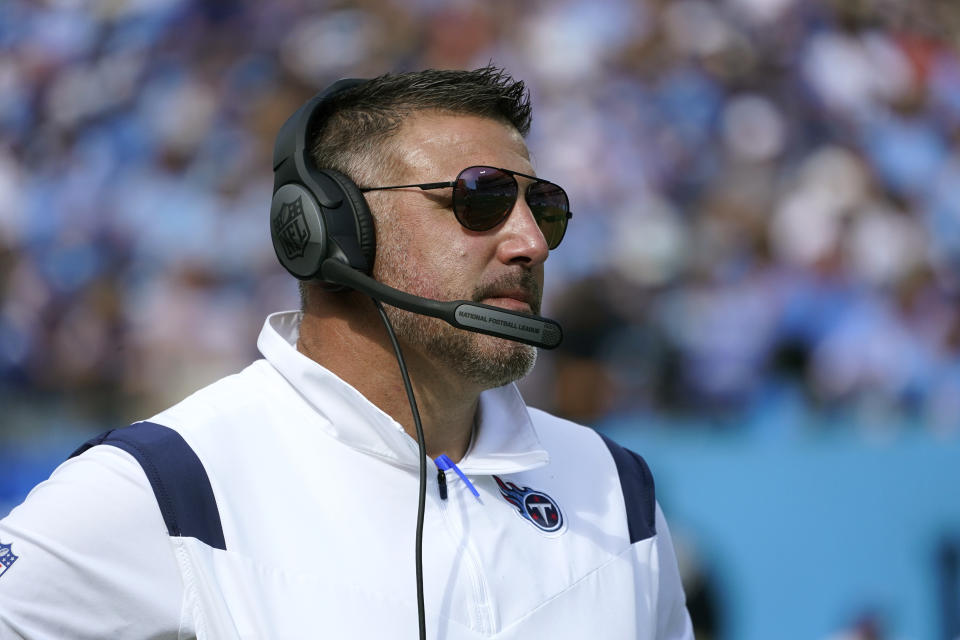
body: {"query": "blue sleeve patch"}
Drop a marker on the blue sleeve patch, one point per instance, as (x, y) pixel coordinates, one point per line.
(636, 482)
(180, 483)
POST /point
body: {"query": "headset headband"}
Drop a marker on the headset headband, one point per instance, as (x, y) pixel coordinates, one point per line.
(291, 143)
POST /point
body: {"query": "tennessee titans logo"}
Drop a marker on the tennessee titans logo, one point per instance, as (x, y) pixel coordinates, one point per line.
(6, 557)
(291, 228)
(536, 507)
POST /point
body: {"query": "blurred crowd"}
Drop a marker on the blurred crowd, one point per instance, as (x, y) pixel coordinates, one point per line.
(766, 194)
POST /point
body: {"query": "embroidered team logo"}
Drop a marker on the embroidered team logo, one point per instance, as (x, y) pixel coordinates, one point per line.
(535, 506)
(6, 557)
(291, 228)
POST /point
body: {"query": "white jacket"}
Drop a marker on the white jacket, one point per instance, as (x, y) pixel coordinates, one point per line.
(287, 509)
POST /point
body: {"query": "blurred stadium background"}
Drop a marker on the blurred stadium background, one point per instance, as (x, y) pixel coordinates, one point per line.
(759, 288)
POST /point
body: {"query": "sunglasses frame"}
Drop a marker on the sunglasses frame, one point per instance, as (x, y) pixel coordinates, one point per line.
(427, 186)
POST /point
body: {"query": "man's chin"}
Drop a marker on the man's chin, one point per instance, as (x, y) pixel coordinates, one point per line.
(484, 361)
(496, 362)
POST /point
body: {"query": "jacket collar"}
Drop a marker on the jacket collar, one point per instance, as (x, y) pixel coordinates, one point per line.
(504, 439)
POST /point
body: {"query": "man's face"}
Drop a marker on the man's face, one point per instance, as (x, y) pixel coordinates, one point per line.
(423, 249)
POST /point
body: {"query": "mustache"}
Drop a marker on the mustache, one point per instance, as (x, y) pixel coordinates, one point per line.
(523, 281)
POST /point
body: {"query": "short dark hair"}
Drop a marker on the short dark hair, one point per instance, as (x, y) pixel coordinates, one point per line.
(355, 124)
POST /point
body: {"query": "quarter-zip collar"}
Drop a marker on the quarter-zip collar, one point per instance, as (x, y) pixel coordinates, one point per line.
(504, 439)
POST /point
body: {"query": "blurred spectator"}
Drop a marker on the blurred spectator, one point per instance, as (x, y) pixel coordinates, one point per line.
(766, 192)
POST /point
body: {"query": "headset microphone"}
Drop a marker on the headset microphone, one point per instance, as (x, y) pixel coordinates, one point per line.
(472, 316)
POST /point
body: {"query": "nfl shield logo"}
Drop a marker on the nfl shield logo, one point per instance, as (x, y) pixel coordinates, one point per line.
(6, 557)
(291, 228)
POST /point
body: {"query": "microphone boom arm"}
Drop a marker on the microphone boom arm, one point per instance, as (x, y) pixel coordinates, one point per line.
(470, 316)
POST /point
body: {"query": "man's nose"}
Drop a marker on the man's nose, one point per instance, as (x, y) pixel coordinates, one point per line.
(522, 241)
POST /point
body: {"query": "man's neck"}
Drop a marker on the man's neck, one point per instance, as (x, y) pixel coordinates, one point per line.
(359, 352)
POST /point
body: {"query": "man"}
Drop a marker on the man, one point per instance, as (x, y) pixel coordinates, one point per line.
(281, 502)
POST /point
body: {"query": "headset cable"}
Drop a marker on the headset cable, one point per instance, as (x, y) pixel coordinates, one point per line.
(421, 616)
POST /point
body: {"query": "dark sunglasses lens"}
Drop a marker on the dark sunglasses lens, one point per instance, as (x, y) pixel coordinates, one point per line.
(550, 206)
(483, 196)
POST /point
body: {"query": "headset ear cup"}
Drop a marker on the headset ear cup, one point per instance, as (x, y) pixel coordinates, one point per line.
(298, 231)
(366, 232)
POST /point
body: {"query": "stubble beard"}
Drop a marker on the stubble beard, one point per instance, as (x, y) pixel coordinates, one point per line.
(480, 359)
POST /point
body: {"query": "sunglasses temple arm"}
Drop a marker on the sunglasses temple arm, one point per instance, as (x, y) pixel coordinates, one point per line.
(470, 316)
(423, 187)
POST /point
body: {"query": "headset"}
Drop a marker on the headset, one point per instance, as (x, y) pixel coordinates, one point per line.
(323, 231)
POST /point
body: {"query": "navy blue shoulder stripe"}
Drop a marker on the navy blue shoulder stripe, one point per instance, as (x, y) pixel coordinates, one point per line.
(636, 481)
(179, 481)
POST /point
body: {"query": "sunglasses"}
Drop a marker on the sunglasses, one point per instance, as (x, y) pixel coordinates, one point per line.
(483, 197)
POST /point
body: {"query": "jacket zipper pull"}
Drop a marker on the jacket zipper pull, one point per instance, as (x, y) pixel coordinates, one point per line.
(444, 463)
(442, 483)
